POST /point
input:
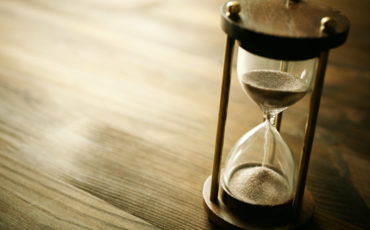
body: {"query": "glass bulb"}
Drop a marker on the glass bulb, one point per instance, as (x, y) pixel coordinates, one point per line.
(260, 171)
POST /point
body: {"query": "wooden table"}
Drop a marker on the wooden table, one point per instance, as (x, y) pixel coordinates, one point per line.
(108, 116)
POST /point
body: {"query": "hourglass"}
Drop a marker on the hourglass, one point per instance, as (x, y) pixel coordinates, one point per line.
(282, 54)
(260, 172)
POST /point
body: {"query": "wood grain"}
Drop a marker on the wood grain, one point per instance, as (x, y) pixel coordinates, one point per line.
(30, 200)
(108, 115)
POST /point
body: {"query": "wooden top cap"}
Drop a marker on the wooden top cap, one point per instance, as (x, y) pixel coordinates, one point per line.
(280, 29)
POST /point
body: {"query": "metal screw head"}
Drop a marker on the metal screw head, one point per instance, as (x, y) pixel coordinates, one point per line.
(232, 8)
(327, 25)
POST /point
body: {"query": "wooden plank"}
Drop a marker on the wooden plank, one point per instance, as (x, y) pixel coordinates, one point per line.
(31, 200)
(108, 114)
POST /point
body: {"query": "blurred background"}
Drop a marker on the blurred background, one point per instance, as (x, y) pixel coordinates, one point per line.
(112, 105)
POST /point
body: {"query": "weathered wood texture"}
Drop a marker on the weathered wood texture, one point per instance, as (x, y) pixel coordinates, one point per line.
(108, 113)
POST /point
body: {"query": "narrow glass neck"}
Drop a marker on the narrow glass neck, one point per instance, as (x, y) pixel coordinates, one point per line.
(271, 117)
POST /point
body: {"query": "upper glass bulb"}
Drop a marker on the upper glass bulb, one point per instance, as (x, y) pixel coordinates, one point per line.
(274, 84)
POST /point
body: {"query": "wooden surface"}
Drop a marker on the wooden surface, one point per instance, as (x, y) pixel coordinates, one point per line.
(108, 114)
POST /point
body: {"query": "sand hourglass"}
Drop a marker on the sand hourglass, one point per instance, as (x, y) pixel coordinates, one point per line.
(283, 51)
(260, 172)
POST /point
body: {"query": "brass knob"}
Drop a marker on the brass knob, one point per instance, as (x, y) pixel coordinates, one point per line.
(232, 9)
(327, 25)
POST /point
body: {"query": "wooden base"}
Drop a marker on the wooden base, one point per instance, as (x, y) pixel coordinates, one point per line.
(222, 216)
